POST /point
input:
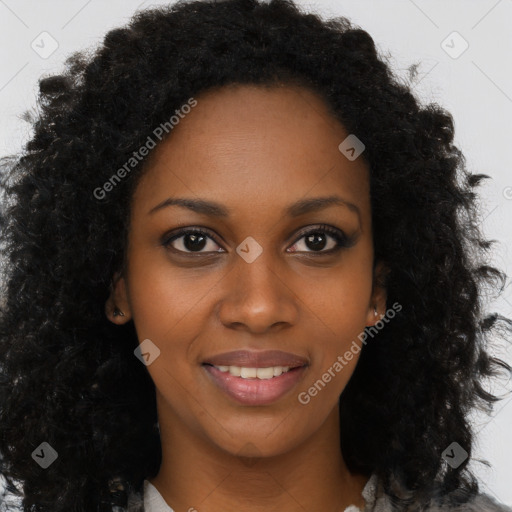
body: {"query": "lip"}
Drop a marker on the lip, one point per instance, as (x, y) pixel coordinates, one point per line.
(255, 391)
(257, 359)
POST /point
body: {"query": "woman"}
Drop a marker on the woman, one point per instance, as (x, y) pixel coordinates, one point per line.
(243, 270)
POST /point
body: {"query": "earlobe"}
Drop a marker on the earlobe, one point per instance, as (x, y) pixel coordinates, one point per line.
(375, 313)
(377, 307)
(117, 307)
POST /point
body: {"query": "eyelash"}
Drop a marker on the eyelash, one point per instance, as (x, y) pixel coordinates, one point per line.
(342, 241)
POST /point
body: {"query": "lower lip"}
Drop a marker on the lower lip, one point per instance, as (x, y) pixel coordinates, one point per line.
(255, 391)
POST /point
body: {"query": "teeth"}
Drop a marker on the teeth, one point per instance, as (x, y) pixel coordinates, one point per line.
(248, 373)
(254, 373)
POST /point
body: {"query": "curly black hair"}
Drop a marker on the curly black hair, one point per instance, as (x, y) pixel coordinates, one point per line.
(69, 377)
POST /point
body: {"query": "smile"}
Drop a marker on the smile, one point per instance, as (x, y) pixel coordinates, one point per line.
(254, 373)
(255, 386)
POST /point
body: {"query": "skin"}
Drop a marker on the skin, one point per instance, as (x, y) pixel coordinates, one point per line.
(256, 151)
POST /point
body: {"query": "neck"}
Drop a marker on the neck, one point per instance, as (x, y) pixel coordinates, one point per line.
(195, 474)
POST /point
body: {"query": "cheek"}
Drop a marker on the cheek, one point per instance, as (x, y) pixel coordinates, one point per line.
(168, 312)
(339, 303)
(340, 297)
(163, 299)
(170, 306)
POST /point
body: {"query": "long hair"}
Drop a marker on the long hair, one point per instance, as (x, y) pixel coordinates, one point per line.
(68, 376)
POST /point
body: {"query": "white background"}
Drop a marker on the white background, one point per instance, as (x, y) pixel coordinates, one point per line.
(476, 87)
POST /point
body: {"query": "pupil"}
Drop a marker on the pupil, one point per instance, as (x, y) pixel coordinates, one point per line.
(314, 241)
(197, 242)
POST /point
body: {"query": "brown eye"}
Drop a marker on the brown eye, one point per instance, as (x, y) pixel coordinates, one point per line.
(317, 239)
(192, 241)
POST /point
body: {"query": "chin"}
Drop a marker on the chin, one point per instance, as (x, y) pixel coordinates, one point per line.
(267, 442)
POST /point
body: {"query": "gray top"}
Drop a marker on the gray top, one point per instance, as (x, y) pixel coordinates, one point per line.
(150, 500)
(375, 501)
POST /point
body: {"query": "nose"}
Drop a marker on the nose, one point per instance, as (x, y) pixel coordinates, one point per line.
(258, 297)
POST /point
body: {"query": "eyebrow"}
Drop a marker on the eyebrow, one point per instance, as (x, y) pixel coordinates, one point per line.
(212, 209)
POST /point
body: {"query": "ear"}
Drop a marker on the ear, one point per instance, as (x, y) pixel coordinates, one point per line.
(379, 296)
(118, 301)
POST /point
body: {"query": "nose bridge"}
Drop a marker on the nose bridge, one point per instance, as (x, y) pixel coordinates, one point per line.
(259, 277)
(256, 261)
(256, 294)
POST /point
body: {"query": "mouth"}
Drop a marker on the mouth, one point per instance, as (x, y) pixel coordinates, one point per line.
(245, 372)
(251, 359)
(255, 386)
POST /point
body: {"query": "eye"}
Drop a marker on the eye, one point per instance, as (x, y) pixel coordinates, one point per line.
(191, 240)
(195, 240)
(316, 239)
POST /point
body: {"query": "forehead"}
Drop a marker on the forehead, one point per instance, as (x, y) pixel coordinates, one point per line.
(252, 143)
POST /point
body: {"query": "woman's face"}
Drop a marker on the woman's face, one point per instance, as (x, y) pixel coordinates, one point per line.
(256, 281)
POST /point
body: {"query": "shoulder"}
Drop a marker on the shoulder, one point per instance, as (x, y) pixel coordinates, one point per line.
(480, 503)
(135, 502)
(378, 501)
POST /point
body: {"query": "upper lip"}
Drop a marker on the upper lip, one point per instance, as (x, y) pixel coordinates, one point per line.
(260, 359)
